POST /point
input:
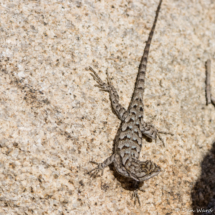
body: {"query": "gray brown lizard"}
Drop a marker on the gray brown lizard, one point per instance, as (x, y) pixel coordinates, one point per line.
(128, 141)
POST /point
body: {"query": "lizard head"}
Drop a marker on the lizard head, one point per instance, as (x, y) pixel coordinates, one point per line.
(150, 169)
(143, 170)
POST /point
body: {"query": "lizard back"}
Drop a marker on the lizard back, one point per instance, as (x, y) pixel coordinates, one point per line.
(128, 142)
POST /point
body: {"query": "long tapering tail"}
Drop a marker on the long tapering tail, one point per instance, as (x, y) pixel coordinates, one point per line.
(140, 80)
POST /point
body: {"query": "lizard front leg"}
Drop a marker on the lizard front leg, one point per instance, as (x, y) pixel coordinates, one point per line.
(135, 195)
(100, 166)
(151, 132)
(118, 109)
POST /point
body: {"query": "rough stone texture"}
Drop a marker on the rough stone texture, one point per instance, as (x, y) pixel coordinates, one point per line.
(53, 121)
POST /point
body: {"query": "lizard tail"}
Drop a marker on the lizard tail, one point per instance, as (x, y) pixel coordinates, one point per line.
(140, 80)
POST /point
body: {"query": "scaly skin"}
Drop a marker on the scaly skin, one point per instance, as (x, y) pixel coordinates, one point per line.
(128, 141)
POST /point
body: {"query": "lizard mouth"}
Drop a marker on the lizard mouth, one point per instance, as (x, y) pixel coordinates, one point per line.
(146, 177)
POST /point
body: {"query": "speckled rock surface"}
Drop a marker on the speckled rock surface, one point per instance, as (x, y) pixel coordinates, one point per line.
(53, 120)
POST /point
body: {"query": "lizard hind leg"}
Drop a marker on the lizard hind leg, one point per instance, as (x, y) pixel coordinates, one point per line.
(100, 84)
(100, 166)
(118, 109)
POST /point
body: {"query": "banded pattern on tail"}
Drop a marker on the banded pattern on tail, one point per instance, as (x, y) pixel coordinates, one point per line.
(140, 80)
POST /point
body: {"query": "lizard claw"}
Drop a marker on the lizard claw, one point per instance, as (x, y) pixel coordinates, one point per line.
(163, 132)
(136, 197)
(100, 84)
(161, 139)
(94, 172)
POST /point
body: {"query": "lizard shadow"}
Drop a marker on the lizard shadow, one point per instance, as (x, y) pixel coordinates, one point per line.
(126, 183)
(203, 192)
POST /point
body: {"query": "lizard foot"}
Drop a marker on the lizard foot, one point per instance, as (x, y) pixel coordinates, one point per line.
(159, 136)
(135, 197)
(100, 84)
(94, 172)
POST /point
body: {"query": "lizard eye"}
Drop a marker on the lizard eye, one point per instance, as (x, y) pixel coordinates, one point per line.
(143, 166)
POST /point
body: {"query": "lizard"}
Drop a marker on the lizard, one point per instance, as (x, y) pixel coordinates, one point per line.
(128, 140)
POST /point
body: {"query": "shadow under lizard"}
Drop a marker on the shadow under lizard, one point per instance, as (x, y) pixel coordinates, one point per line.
(128, 141)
